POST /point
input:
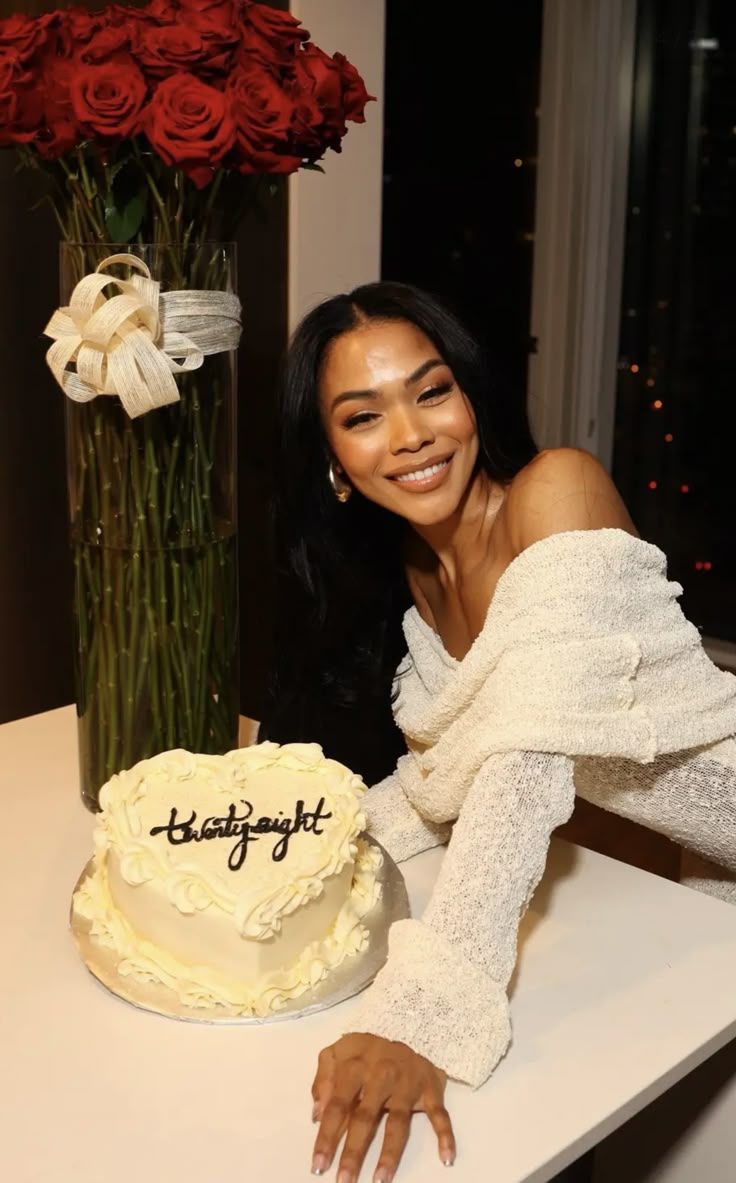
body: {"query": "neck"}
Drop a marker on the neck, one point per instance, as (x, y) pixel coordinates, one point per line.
(457, 542)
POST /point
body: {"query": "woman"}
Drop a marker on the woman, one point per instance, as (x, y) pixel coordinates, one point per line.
(547, 656)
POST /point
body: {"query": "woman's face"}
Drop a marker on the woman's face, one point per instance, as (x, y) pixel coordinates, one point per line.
(400, 429)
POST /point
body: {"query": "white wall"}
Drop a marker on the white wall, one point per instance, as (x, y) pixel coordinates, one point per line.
(335, 218)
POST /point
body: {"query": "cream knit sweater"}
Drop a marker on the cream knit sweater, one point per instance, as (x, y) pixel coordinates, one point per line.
(586, 678)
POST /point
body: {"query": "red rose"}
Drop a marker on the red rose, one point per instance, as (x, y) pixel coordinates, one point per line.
(121, 14)
(24, 34)
(274, 25)
(317, 90)
(219, 12)
(110, 45)
(60, 131)
(262, 112)
(163, 49)
(8, 106)
(21, 108)
(220, 42)
(354, 94)
(163, 12)
(108, 100)
(190, 126)
(271, 37)
(74, 27)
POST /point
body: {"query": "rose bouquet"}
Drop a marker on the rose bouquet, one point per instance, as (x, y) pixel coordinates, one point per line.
(153, 131)
(133, 112)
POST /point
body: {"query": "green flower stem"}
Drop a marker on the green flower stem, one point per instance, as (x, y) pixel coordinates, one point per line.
(170, 476)
(203, 647)
(180, 655)
(154, 555)
(142, 671)
(129, 695)
(203, 462)
(90, 190)
(110, 668)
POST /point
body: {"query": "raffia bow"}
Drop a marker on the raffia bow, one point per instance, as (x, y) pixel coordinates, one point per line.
(133, 343)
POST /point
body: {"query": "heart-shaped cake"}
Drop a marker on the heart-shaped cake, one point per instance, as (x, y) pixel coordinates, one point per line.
(236, 880)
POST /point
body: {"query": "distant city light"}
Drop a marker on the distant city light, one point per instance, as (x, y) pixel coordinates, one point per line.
(698, 566)
(668, 438)
(684, 488)
(650, 381)
(705, 43)
(518, 162)
(652, 484)
(634, 369)
(657, 404)
(707, 566)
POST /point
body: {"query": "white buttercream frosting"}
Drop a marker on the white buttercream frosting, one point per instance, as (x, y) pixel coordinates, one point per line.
(235, 880)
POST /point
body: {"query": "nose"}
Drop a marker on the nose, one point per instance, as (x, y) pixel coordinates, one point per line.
(409, 430)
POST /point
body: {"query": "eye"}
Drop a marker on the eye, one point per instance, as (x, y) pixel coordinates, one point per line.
(361, 417)
(436, 392)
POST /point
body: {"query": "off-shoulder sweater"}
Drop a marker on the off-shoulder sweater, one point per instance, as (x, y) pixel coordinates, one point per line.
(586, 678)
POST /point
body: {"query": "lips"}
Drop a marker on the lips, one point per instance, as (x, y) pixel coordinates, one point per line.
(416, 470)
(424, 479)
(422, 474)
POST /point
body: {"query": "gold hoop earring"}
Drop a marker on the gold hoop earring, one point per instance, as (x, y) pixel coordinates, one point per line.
(340, 488)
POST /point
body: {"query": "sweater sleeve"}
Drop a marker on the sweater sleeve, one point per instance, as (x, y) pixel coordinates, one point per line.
(688, 796)
(392, 819)
(443, 988)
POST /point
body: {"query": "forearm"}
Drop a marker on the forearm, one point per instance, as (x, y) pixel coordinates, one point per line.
(442, 991)
(392, 819)
(688, 796)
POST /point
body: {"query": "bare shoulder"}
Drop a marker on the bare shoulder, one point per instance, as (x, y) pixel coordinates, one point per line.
(563, 489)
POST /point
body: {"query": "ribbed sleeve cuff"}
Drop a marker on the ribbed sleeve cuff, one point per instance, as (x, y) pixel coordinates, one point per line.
(433, 999)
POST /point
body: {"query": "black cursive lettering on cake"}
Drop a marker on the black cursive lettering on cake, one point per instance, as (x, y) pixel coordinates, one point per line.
(240, 826)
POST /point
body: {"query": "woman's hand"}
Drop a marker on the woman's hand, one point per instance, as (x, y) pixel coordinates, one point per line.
(358, 1078)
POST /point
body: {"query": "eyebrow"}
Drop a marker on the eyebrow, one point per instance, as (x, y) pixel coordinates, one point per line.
(417, 376)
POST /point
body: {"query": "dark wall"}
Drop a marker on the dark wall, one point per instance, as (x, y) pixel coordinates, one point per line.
(35, 582)
(35, 575)
(458, 214)
(263, 264)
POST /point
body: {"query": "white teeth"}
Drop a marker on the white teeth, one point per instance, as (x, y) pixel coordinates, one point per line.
(424, 473)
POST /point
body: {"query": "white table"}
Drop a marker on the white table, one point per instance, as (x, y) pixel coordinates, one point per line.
(626, 983)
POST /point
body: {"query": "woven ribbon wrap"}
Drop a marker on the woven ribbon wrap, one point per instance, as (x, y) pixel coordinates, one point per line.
(133, 343)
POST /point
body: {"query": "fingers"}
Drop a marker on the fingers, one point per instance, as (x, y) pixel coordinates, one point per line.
(323, 1082)
(361, 1132)
(364, 1121)
(358, 1078)
(396, 1135)
(335, 1114)
(442, 1126)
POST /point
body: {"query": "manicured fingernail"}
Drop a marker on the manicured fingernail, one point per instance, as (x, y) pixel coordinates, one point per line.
(345, 1176)
(448, 1162)
(382, 1175)
(319, 1164)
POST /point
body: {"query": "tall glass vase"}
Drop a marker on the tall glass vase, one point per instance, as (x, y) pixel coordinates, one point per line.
(153, 533)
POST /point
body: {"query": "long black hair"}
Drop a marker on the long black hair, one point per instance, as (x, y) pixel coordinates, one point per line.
(343, 588)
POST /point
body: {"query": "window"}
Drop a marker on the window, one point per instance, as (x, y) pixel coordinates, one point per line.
(675, 422)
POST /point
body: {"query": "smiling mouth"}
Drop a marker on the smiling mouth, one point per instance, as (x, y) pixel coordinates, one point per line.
(421, 475)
